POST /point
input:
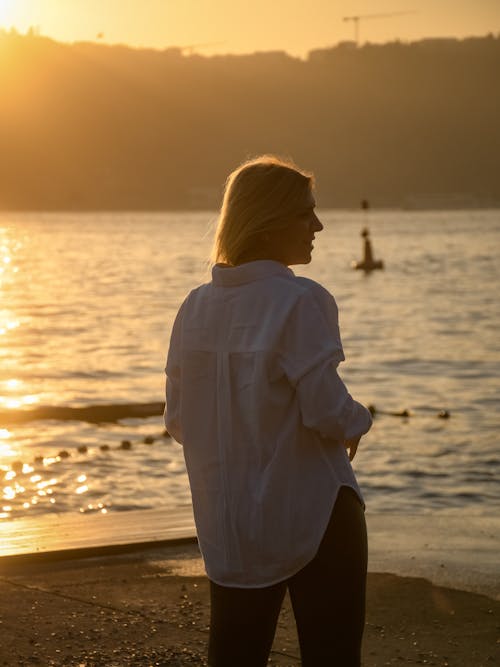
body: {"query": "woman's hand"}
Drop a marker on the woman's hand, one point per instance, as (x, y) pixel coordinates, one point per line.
(352, 446)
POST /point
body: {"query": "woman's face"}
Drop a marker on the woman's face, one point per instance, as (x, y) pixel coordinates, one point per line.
(293, 244)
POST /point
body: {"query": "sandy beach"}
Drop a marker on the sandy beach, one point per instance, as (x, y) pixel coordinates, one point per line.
(150, 607)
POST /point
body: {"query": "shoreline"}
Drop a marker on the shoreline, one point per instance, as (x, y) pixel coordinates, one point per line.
(460, 552)
(151, 607)
(433, 596)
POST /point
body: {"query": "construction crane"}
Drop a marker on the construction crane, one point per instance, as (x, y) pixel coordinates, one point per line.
(357, 19)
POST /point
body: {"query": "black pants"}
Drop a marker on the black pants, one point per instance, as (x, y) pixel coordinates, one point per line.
(328, 599)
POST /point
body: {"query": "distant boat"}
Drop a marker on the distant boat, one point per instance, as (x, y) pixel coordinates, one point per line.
(368, 263)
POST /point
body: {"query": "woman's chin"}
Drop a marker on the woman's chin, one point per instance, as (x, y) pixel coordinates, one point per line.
(306, 259)
(308, 255)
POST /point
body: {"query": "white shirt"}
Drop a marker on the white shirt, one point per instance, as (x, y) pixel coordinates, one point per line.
(254, 397)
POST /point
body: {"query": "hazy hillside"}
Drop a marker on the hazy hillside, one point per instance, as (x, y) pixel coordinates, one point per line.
(89, 126)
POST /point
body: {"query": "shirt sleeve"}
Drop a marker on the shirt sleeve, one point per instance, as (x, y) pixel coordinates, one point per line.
(310, 356)
(172, 414)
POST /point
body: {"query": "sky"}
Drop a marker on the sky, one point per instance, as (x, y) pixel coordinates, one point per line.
(240, 26)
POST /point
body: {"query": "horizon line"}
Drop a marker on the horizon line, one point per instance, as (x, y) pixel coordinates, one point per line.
(34, 32)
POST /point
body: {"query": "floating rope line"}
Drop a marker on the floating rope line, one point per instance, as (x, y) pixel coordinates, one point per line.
(127, 445)
(442, 414)
(63, 454)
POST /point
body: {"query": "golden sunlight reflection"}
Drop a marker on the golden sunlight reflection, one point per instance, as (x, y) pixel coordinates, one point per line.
(8, 493)
(14, 403)
(12, 325)
(11, 403)
(6, 259)
(49, 482)
(13, 490)
(13, 386)
(49, 460)
(6, 451)
(7, 322)
(94, 508)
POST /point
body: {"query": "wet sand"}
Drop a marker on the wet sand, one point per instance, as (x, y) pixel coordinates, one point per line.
(151, 608)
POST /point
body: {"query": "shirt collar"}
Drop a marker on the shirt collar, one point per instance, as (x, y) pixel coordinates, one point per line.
(224, 275)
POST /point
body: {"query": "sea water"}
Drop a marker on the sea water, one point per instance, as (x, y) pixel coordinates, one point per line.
(87, 302)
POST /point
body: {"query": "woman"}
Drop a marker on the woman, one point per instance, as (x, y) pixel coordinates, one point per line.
(266, 423)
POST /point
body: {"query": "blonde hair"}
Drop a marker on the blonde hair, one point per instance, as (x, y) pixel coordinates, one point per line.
(260, 196)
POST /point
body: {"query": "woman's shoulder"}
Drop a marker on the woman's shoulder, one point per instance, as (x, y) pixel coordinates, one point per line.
(320, 294)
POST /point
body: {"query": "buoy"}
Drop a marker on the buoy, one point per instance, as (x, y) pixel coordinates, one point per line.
(368, 263)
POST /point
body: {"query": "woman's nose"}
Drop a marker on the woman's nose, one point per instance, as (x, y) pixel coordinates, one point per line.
(317, 226)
